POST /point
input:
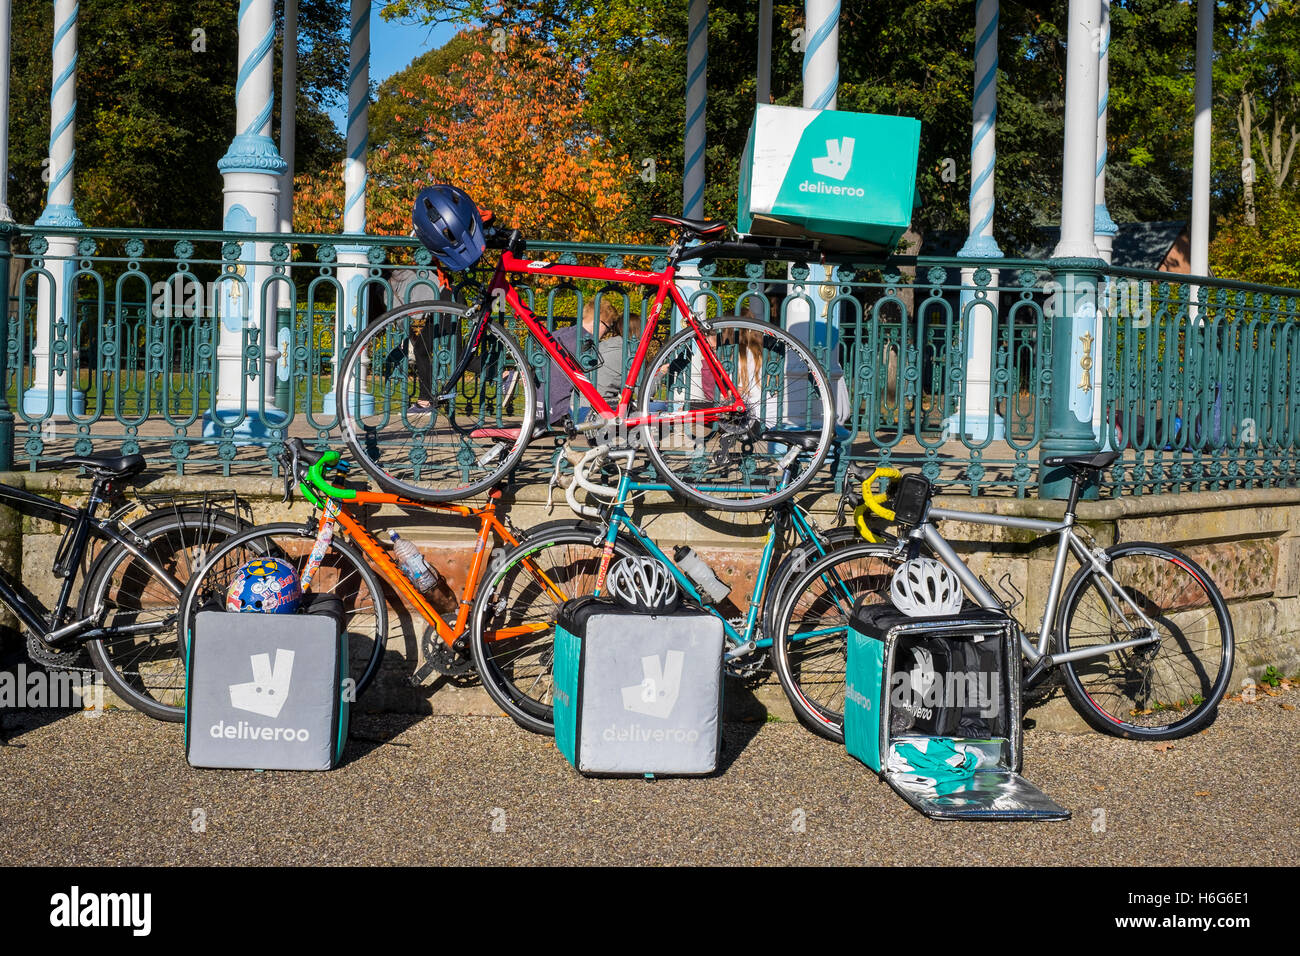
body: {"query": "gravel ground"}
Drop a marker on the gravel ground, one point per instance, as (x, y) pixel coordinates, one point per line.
(115, 789)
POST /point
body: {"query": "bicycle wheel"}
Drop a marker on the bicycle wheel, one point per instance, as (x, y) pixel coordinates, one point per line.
(1157, 691)
(513, 619)
(732, 462)
(810, 633)
(343, 572)
(139, 656)
(412, 429)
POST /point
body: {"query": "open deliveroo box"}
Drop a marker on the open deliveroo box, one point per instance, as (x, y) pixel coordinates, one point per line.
(932, 704)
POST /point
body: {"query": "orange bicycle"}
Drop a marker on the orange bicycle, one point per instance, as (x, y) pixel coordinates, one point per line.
(335, 552)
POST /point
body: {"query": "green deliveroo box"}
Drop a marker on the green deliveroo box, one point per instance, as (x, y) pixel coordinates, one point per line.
(847, 179)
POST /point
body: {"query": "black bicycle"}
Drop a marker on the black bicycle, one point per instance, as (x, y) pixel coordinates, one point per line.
(125, 614)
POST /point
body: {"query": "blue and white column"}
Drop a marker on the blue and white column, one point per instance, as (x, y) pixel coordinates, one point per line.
(6, 21)
(979, 316)
(1200, 226)
(353, 264)
(54, 393)
(1104, 228)
(252, 168)
(817, 326)
(285, 318)
(697, 94)
(1074, 319)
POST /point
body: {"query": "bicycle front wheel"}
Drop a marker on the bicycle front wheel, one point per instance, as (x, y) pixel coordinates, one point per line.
(1168, 688)
(139, 656)
(513, 620)
(412, 428)
(343, 572)
(731, 461)
(810, 633)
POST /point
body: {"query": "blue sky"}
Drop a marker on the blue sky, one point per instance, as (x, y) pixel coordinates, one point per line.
(392, 47)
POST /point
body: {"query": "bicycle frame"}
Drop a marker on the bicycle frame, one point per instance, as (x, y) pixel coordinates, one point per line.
(665, 287)
(83, 524)
(383, 562)
(1067, 541)
(743, 639)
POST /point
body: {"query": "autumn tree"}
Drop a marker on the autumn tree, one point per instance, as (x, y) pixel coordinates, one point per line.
(505, 122)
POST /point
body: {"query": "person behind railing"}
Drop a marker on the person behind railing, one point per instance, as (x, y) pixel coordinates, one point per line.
(556, 398)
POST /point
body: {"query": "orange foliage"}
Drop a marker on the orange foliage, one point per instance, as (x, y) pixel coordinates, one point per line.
(510, 131)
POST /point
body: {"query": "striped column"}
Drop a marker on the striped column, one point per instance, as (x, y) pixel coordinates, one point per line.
(1104, 228)
(353, 265)
(284, 317)
(1074, 325)
(6, 21)
(821, 54)
(979, 315)
(251, 168)
(697, 60)
(815, 324)
(52, 393)
(1200, 226)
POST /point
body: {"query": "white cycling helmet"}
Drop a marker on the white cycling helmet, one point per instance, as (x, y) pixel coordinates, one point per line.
(643, 584)
(924, 587)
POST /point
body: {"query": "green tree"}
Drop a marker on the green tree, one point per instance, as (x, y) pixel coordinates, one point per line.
(155, 107)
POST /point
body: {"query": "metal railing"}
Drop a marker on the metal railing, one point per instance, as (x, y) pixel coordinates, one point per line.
(203, 350)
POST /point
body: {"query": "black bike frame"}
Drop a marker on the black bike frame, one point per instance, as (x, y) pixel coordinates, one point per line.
(29, 609)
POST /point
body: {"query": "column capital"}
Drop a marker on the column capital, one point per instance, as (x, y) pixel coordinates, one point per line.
(59, 214)
(980, 247)
(252, 153)
(1102, 224)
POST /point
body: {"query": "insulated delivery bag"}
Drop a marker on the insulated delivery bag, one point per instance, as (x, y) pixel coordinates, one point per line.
(638, 693)
(932, 704)
(268, 691)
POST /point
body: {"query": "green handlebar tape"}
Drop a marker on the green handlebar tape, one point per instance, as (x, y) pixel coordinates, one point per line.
(315, 477)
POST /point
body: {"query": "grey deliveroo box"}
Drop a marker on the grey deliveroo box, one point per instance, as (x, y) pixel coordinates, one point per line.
(638, 694)
(266, 691)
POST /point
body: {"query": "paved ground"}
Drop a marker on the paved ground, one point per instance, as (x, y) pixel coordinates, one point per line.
(116, 789)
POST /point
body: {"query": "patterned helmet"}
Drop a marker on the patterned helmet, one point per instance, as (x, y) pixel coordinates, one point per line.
(265, 586)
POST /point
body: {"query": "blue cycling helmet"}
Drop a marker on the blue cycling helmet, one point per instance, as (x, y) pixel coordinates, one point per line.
(447, 221)
(265, 586)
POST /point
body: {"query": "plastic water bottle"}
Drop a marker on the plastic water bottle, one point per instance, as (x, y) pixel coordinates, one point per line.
(695, 568)
(413, 564)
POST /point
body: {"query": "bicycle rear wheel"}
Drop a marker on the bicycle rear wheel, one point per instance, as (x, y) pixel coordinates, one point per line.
(1158, 691)
(810, 633)
(414, 430)
(513, 620)
(343, 572)
(139, 657)
(732, 461)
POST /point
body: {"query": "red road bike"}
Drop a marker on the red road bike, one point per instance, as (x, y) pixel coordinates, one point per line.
(439, 401)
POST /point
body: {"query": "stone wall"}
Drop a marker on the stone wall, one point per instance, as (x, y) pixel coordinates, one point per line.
(1246, 540)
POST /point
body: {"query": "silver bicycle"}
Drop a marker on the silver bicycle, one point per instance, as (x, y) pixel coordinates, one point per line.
(1141, 635)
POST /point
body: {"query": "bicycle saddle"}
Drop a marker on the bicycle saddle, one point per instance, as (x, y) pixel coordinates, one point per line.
(108, 466)
(807, 440)
(699, 227)
(1082, 462)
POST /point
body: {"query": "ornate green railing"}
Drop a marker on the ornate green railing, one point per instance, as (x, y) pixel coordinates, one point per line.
(967, 369)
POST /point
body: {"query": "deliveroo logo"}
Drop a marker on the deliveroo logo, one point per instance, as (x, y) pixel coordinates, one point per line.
(656, 695)
(266, 693)
(838, 159)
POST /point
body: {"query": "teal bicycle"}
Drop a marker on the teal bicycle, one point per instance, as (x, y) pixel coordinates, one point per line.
(517, 672)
